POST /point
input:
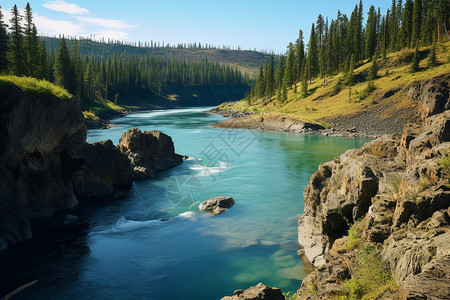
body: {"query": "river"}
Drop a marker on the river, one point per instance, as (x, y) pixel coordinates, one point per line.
(155, 244)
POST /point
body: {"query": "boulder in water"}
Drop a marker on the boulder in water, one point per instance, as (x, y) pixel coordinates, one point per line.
(217, 205)
(149, 152)
(257, 292)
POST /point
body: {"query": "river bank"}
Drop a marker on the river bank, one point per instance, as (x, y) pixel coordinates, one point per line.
(153, 237)
(376, 221)
(285, 123)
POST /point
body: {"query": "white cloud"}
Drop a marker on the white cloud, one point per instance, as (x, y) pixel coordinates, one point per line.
(69, 8)
(55, 27)
(106, 23)
(50, 27)
(78, 26)
(111, 34)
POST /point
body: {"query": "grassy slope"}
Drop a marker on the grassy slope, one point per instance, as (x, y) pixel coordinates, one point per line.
(320, 106)
(35, 86)
(92, 111)
(46, 88)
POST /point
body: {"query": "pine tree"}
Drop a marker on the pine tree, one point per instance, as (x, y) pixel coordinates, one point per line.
(359, 30)
(432, 60)
(415, 61)
(405, 35)
(63, 70)
(279, 98)
(288, 78)
(16, 54)
(31, 43)
(261, 84)
(3, 44)
(393, 26)
(313, 59)
(299, 55)
(373, 73)
(279, 74)
(384, 37)
(371, 32)
(43, 67)
(350, 74)
(283, 93)
(304, 83)
(416, 22)
(270, 78)
(76, 66)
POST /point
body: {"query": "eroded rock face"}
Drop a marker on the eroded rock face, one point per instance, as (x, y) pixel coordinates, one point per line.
(99, 170)
(398, 188)
(257, 292)
(217, 205)
(340, 192)
(149, 152)
(37, 133)
(46, 164)
(433, 95)
(433, 282)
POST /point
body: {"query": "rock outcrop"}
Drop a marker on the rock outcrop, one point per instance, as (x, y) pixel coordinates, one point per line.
(257, 292)
(432, 95)
(34, 141)
(98, 170)
(266, 122)
(399, 190)
(217, 205)
(46, 164)
(149, 152)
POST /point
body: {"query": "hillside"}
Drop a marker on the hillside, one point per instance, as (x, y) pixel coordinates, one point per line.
(246, 60)
(385, 108)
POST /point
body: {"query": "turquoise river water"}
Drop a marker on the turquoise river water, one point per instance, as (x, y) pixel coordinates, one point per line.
(156, 244)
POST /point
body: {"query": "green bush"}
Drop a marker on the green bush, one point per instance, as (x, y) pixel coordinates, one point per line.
(367, 91)
(371, 278)
(336, 87)
(444, 165)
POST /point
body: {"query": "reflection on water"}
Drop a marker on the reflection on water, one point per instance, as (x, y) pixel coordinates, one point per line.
(157, 245)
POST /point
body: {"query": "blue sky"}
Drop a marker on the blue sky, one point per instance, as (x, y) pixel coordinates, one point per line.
(251, 24)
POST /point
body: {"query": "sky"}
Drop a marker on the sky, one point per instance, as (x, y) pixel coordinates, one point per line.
(251, 24)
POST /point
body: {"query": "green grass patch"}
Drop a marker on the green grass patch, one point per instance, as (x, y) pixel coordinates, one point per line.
(289, 296)
(367, 91)
(394, 180)
(36, 87)
(92, 110)
(370, 279)
(89, 115)
(444, 165)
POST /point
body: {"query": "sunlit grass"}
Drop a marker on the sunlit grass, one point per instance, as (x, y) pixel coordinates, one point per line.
(92, 110)
(89, 115)
(323, 103)
(37, 87)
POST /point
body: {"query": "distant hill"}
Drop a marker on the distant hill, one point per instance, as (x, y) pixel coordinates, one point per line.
(382, 105)
(246, 60)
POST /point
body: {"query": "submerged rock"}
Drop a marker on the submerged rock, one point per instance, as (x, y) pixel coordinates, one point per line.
(149, 152)
(257, 292)
(217, 205)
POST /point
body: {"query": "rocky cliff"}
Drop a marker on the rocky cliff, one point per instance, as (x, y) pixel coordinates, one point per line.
(396, 194)
(46, 164)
